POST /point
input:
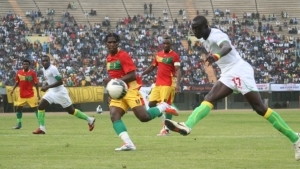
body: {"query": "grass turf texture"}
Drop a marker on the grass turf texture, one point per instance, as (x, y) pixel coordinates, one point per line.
(224, 139)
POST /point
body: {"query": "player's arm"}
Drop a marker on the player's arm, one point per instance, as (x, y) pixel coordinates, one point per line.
(151, 67)
(149, 70)
(223, 42)
(57, 83)
(225, 48)
(17, 79)
(36, 84)
(129, 68)
(129, 77)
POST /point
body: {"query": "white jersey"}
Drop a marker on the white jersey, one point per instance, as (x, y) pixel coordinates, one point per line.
(211, 44)
(50, 73)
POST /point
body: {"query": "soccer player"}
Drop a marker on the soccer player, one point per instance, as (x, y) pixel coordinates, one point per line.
(58, 94)
(168, 63)
(121, 66)
(237, 75)
(25, 79)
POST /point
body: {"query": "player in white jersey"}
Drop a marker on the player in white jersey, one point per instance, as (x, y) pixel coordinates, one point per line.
(237, 75)
(58, 94)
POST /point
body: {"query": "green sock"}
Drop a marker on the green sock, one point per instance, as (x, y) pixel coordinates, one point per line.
(41, 117)
(154, 112)
(119, 127)
(19, 118)
(199, 113)
(280, 125)
(169, 116)
(80, 114)
(36, 114)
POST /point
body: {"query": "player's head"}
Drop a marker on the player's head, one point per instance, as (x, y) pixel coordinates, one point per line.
(167, 44)
(26, 64)
(45, 61)
(112, 42)
(200, 27)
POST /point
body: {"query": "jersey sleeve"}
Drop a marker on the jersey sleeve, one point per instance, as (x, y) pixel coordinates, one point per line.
(17, 79)
(34, 77)
(55, 72)
(154, 62)
(127, 63)
(176, 60)
(219, 37)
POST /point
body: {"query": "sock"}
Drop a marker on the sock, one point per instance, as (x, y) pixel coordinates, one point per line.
(80, 114)
(169, 116)
(162, 107)
(162, 117)
(119, 127)
(41, 119)
(19, 118)
(199, 113)
(280, 125)
(126, 139)
(154, 112)
(36, 114)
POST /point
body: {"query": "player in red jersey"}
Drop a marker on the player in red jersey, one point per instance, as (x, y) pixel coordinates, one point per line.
(25, 79)
(120, 66)
(167, 62)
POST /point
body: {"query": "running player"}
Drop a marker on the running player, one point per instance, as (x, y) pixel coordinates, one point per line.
(25, 79)
(167, 62)
(58, 94)
(121, 66)
(237, 75)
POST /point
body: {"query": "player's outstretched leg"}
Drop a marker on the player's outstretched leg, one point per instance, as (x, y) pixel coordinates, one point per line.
(91, 120)
(184, 128)
(279, 124)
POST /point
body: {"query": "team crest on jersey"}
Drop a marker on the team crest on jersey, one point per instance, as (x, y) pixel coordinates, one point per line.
(25, 78)
(168, 60)
(116, 65)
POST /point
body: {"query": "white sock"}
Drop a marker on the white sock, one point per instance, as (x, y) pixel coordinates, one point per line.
(162, 106)
(43, 128)
(125, 137)
(163, 118)
(90, 120)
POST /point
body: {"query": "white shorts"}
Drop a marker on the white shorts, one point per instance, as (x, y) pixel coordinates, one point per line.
(240, 78)
(62, 97)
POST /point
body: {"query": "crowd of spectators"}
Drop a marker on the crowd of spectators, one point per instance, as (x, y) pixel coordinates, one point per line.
(275, 57)
(79, 51)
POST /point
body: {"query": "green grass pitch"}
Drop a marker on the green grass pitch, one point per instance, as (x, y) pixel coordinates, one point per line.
(224, 139)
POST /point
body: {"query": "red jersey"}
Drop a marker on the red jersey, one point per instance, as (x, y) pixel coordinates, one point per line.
(165, 63)
(119, 65)
(26, 81)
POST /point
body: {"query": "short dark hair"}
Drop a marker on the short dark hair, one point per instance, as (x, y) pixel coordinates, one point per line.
(114, 35)
(200, 19)
(46, 56)
(26, 61)
(167, 38)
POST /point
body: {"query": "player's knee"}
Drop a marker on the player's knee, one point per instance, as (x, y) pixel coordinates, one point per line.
(144, 118)
(152, 104)
(115, 116)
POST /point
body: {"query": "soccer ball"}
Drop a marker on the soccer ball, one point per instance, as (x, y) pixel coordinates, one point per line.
(116, 89)
(99, 109)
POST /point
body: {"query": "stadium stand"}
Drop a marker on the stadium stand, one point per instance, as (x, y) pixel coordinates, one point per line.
(77, 48)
